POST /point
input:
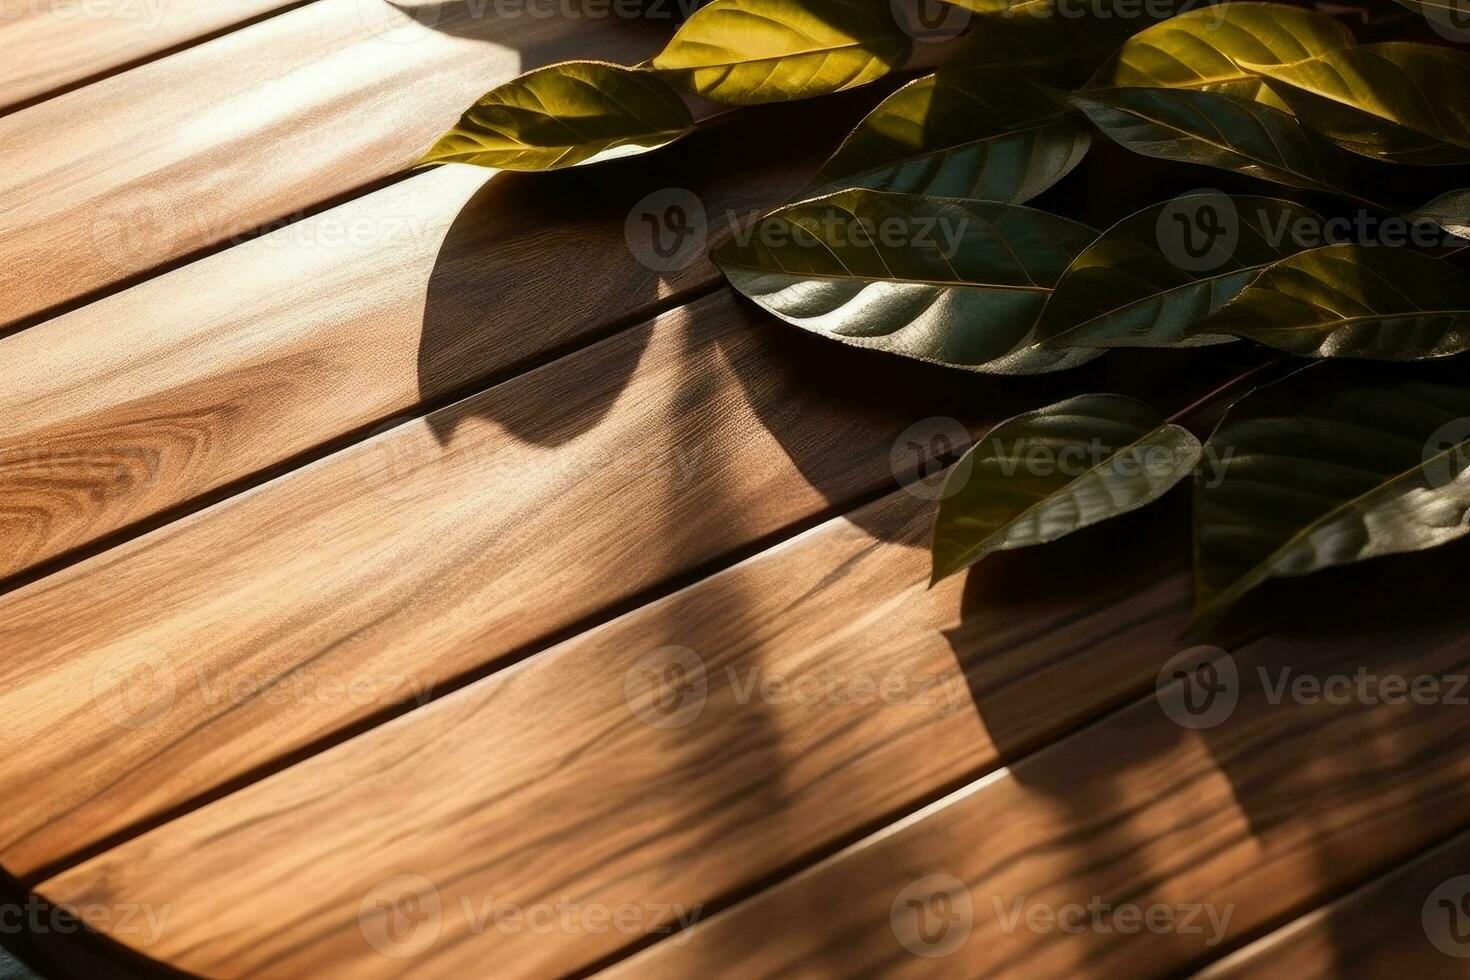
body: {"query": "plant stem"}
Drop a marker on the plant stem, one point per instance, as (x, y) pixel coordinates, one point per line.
(1208, 400)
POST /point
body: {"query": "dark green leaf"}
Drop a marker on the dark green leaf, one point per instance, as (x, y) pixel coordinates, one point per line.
(1399, 102)
(1377, 303)
(1338, 463)
(1058, 50)
(1042, 475)
(1152, 277)
(750, 51)
(961, 133)
(944, 280)
(563, 115)
(1215, 130)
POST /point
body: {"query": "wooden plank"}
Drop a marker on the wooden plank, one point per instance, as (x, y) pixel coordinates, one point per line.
(1410, 922)
(433, 549)
(49, 46)
(828, 688)
(1140, 847)
(116, 179)
(151, 398)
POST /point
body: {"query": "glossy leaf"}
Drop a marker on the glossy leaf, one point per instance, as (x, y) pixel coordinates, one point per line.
(962, 133)
(1150, 279)
(1337, 463)
(1449, 211)
(563, 115)
(751, 51)
(1206, 49)
(1057, 50)
(943, 280)
(1042, 475)
(1378, 303)
(1215, 130)
(1398, 102)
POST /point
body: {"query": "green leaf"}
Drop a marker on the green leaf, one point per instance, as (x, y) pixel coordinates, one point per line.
(1058, 50)
(1042, 475)
(961, 133)
(1449, 211)
(943, 280)
(751, 51)
(1215, 130)
(1206, 49)
(1398, 102)
(1337, 463)
(1151, 278)
(565, 115)
(1376, 303)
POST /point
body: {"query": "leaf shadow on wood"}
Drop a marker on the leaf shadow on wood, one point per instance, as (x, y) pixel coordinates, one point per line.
(570, 245)
(1394, 767)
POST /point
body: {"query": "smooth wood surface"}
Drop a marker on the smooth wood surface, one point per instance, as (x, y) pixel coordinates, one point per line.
(345, 321)
(51, 45)
(1278, 808)
(432, 549)
(1383, 929)
(193, 150)
(826, 689)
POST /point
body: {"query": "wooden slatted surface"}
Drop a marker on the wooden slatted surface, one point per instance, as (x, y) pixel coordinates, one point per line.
(1232, 827)
(50, 46)
(1412, 922)
(827, 689)
(187, 152)
(434, 548)
(345, 321)
(404, 573)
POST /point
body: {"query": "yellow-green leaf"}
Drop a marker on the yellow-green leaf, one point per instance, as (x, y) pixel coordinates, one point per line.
(1207, 49)
(1042, 475)
(1213, 129)
(962, 133)
(1377, 303)
(564, 115)
(745, 52)
(1150, 279)
(1400, 102)
(943, 280)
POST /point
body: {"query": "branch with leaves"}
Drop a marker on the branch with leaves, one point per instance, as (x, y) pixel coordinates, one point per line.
(915, 239)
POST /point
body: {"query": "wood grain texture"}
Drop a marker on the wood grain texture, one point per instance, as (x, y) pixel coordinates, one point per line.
(190, 151)
(167, 665)
(826, 689)
(1274, 810)
(1410, 922)
(148, 399)
(48, 46)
